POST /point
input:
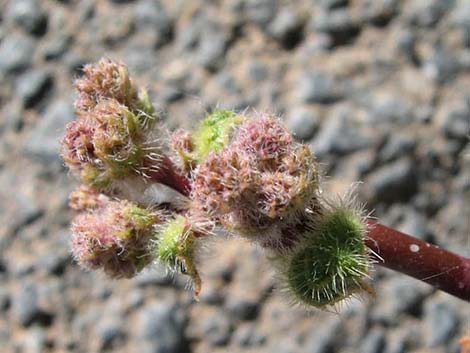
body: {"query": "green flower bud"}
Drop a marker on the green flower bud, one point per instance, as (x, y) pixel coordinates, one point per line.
(214, 132)
(176, 249)
(330, 261)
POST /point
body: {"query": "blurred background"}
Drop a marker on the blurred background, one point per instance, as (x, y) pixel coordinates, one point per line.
(380, 89)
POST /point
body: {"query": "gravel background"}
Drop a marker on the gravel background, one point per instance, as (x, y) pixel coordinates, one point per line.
(379, 88)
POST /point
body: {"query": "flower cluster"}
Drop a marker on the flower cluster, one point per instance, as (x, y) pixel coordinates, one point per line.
(262, 179)
(114, 137)
(244, 174)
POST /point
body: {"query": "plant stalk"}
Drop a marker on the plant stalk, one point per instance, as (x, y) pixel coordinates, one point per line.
(169, 175)
(440, 268)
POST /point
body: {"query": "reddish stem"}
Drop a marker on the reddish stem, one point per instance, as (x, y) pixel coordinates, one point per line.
(438, 267)
(168, 175)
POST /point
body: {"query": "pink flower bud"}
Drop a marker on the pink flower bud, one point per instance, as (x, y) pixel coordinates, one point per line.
(266, 137)
(181, 142)
(262, 177)
(106, 79)
(116, 238)
(109, 144)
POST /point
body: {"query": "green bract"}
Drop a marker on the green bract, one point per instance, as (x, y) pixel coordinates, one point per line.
(330, 262)
(213, 133)
(169, 240)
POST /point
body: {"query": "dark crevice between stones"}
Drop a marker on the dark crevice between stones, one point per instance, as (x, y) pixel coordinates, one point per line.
(344, 37)
(293, 38)
(42, 92)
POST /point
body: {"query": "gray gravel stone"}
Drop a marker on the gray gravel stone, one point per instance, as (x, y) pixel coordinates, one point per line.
(457, 124)
(27, 211)
(55, 263)
(188, 36)
(287, 28)
(389, 108)
(397, 146)
(441, 320)
(13, 117)
(416, 225)
(25, 306)
(379, 12)
(16, 53)
(33, 86)
(325, 338)
(217, 328)
(35, 341)
(44, 140)
(257, 71)
(318, 87)
(461, 13)
(303, 123)
(332, 4)
(151, 16)
(442, 66)
(427, 13)
(212, 46)
(162, 328)
(56, 47)
(242, 308)
(339, 134)
(406, 44)
(212, 296)
(4, 298)
(393, 182)
(374, 342)
(110, 332)
(399, 296)
(153, 278)
(29, 15)
(260, 11)
(339, 24)
(396, 344)
(248, 336)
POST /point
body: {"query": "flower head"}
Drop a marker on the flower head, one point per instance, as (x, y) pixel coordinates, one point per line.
(109, 144)
(105, 79)
(260, 178)
(267, 138)
(116, 238)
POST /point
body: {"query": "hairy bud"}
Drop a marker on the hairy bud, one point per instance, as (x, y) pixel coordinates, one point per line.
(182, 144)
(105, 79)
(267, 138)
(116, 238)
(330, 261)
(214, 132)
(109, 144)
(176, 248)
(262, 177)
